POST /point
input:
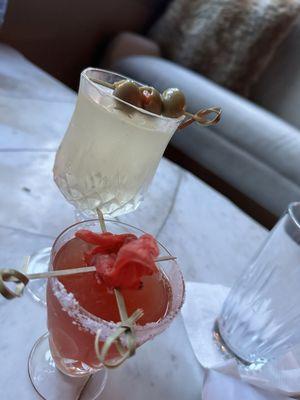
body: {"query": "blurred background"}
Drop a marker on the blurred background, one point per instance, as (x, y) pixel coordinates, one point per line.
(241, 56)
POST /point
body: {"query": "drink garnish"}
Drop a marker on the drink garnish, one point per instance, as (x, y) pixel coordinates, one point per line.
(171, 103)
(120, 260)
(106, 242)
(151, 99)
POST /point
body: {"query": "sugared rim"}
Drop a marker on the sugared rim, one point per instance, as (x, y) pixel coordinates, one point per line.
(113, 325)
(291, 212)
(98, 86)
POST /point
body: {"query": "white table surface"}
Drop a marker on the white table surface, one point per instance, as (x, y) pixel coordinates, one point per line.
(212, 238)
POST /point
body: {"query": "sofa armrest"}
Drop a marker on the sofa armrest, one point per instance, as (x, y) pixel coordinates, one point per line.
(127, 44)
(251, 149)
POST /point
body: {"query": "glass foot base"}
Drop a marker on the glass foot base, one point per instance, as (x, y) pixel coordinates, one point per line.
(229, 353)
(39, 262)
(51, 384)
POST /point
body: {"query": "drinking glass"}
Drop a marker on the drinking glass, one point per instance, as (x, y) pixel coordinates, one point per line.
(72, 329)
(111, 149)
(260, 319)
(107, 157)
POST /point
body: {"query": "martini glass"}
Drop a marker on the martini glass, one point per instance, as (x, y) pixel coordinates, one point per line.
(107, 157)
(69, 366)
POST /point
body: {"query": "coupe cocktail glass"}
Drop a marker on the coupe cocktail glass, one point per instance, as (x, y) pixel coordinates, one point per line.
(260, 319)
(107, 157)
(78, 306)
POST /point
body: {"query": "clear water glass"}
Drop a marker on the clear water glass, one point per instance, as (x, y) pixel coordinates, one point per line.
(260, 319)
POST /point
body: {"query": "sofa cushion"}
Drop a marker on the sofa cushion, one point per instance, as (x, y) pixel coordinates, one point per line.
(229, 41)
(278, 89)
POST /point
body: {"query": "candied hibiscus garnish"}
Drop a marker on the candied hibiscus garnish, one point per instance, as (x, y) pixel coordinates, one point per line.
(106, 242)
(104, 263)
(134, 260)
(122, 262)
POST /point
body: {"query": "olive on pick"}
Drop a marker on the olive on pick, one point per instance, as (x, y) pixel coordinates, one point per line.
(151, 99)
(128, 91)
(173, 103)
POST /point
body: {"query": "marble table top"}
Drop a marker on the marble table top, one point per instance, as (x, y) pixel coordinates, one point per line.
(212, 238)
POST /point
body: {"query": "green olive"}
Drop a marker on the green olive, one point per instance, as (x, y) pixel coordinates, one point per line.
(151, 99)
(173, 102)
(128, 91)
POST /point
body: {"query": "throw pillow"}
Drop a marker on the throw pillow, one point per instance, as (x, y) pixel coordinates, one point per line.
(229, 41)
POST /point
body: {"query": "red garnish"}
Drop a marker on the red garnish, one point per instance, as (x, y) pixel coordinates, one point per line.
(106, 242)
(121, 260)
(89, 256)
(104, 263)
(134, 260)
(92, 237)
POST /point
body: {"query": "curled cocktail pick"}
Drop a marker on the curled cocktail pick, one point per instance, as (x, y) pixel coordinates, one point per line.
(18, 278)
(202, 117)
(21, 280)
(126, 327)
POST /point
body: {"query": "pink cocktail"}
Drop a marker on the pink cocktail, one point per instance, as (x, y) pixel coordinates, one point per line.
(79, 305)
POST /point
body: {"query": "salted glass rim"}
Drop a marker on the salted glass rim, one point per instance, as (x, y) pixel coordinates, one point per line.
(292, 214)
(113, 325)
(98, 86)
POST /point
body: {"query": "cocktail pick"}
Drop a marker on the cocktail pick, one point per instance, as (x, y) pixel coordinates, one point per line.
(201, 116)
(101, 220)
(80, 270)
(21, 280)
(126, 327)
(18, 278)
